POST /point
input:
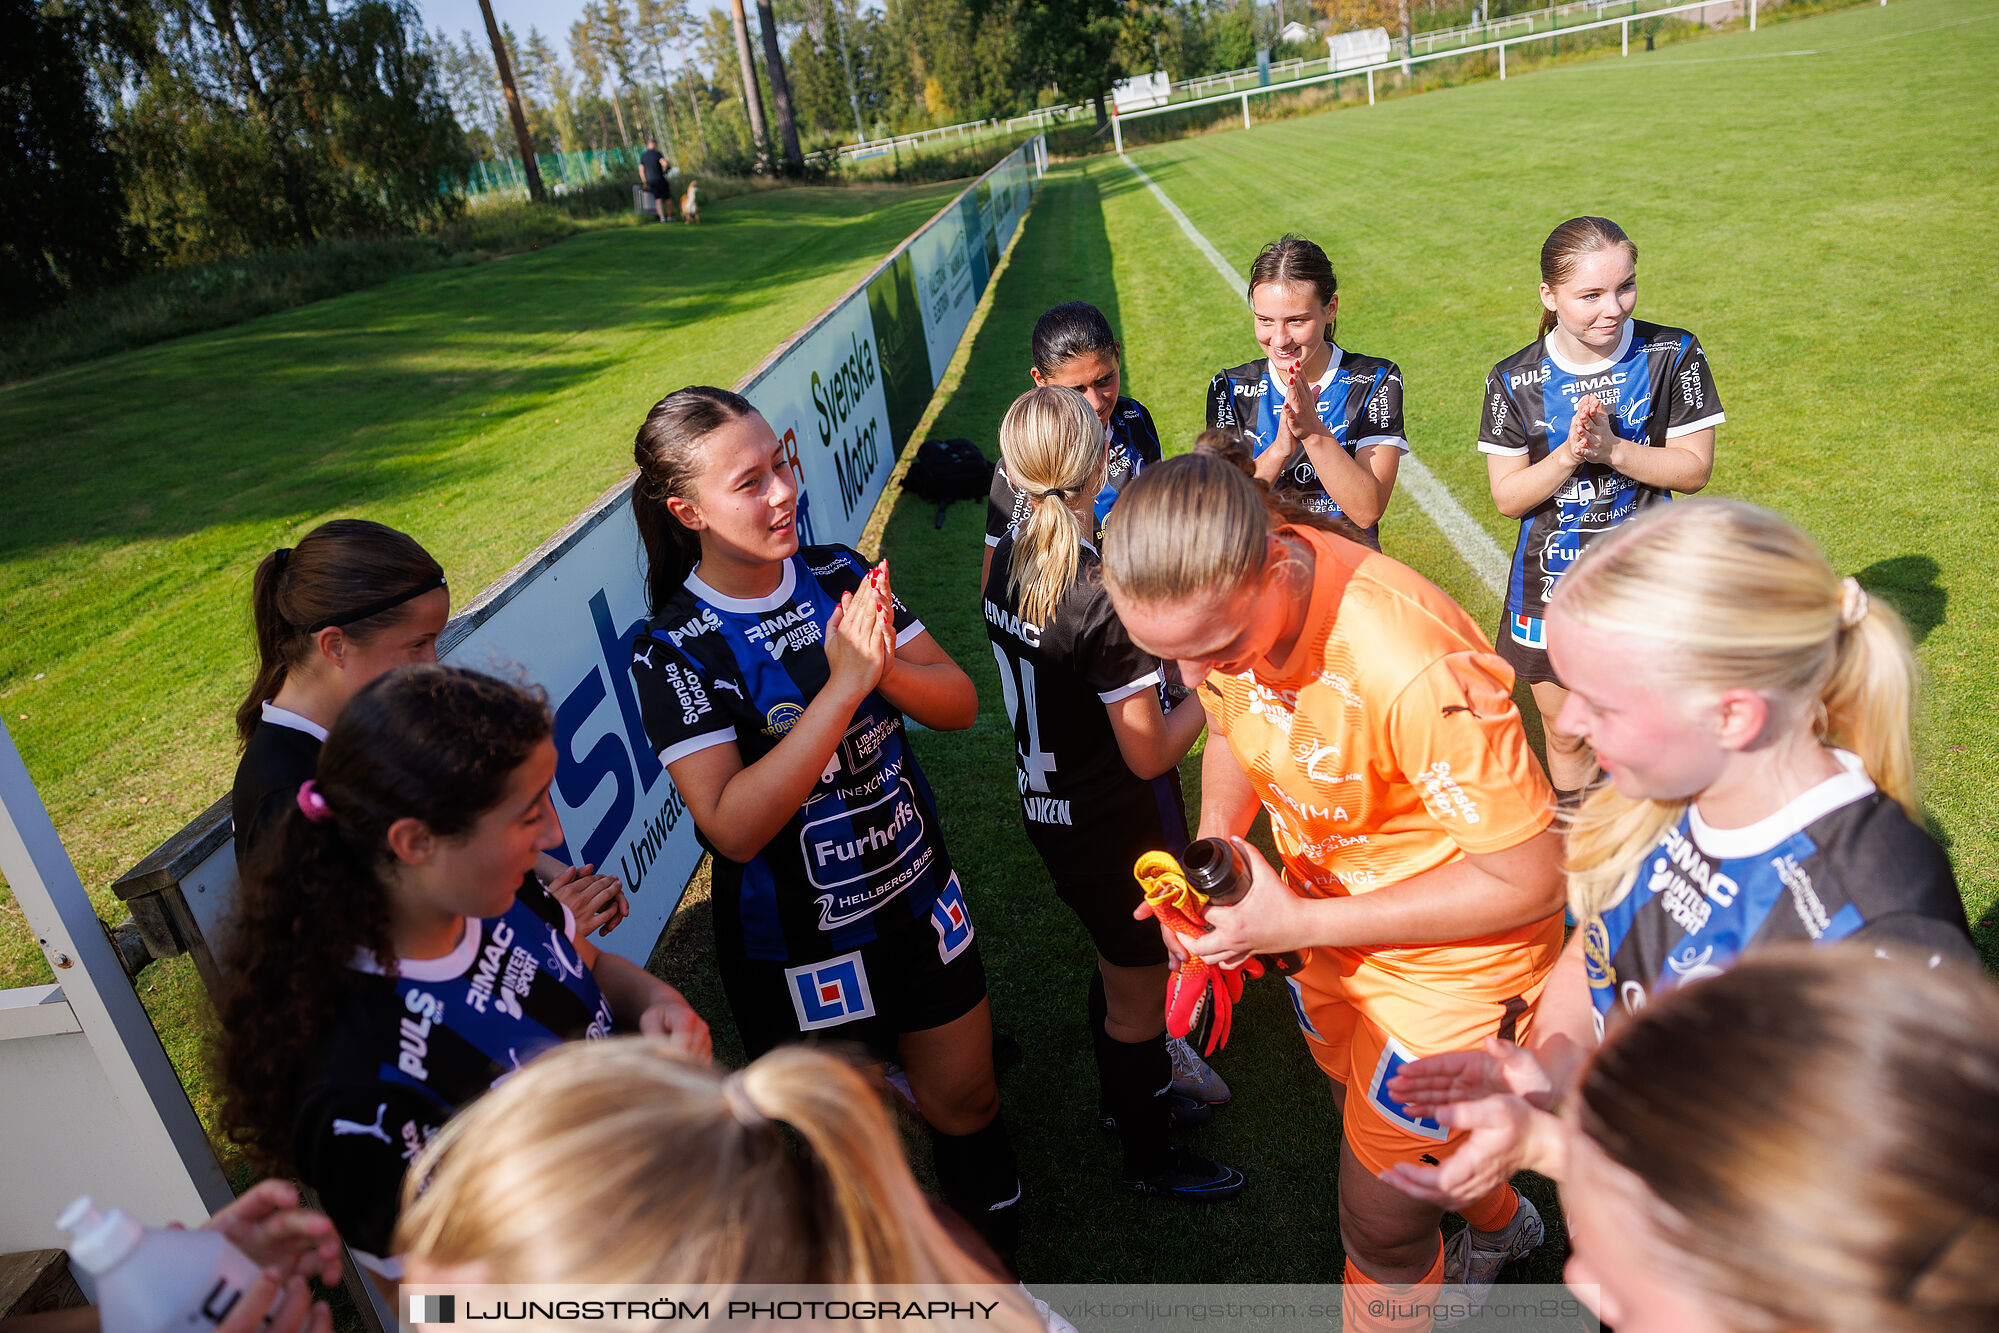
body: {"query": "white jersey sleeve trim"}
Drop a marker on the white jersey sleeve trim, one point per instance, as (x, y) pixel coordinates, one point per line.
(1487, 447)
(1123, 692)
(1688, 428)
(390, 1268)
(1395, 440)
(992, 540)
(707, 740)
(909, 631)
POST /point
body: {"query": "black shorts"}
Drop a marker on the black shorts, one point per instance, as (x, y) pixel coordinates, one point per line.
(1099, 888)
(656, 187)
(1530, 664)
(913, 980)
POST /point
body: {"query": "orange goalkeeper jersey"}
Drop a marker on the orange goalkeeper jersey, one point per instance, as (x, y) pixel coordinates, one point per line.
(1389, 745)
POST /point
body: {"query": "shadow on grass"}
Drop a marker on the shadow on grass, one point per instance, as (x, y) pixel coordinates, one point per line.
(1909, 584)
(354, 400)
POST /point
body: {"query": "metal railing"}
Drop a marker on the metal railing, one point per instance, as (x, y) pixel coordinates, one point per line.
(1369, 71)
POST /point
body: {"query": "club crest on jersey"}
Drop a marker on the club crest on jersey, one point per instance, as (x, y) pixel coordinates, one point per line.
(1530, 631)
(825, 995)
(953, 922)
(782, 718)
(1393, 1058)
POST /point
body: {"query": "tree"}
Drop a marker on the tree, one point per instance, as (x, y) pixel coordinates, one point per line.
(585, 49)
(550, 81)
(656, 25)
(505, 67)
(753, 104)
(780, 90)
(1073, 44)
(62, 211)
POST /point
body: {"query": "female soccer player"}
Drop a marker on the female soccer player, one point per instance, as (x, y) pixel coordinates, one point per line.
(1597, 418)
(1098, 766)
(1075, 348)
(393, 956)
(774, 679)
(1809, 1142)
(1325, 423)
(1752, 711)
(1363, 710)
(352, 600)
(787, 1172)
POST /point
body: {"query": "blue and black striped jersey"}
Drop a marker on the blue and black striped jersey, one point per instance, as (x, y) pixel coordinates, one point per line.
(1360, 400)
(408, 1049)
(864, 857)
(1656, 386)
(1131, 442)
(1841, 861)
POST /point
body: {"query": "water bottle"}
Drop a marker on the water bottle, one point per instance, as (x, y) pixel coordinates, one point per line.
(1217, 869)
(153, 1281)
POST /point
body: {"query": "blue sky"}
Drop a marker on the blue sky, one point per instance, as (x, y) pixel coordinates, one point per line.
(553, 17)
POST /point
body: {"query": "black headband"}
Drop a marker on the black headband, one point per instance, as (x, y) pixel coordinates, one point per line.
(376, 608)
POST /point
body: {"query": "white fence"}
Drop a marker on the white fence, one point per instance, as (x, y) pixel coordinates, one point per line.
(1499, 46)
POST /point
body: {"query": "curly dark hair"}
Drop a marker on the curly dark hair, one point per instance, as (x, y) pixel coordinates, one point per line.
(434, 743)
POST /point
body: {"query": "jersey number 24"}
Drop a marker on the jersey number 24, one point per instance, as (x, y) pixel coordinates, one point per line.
(1034, 762)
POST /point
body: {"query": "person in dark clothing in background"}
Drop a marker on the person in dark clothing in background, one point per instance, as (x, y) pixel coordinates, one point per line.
(654, 170)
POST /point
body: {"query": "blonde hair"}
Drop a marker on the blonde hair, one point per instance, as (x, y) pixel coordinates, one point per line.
(1053, 445)
(1192, 526)
(1736, 597)
(1821, 1131)
(620, 1161)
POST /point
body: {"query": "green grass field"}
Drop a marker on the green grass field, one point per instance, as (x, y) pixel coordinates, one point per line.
(1814, 200)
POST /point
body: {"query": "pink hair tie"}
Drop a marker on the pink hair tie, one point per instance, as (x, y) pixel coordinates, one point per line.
(312, 803)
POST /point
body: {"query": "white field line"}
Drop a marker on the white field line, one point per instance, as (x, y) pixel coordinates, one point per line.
(1466, 537)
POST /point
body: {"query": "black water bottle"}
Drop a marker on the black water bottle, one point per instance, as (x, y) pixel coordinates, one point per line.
(1216, 868)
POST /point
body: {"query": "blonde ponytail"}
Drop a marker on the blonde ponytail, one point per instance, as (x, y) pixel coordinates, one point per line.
(1053, 446)
(1737, 598)
(646, 1167)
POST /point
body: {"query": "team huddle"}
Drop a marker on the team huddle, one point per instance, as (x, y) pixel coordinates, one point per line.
(1727, 767)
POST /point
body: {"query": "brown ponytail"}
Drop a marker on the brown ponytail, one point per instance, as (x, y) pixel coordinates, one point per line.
(1568, 243)
(666, 451)
(340, 567)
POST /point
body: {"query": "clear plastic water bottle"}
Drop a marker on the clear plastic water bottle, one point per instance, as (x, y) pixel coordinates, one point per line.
(155, 1280)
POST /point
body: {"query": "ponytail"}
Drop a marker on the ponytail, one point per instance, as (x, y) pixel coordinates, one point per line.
(1869, 699)
(1737, 598)
(1053, 447)
(667, 451)
(339, 569)
(1570, 242)
(434, 743)
(789, 1171)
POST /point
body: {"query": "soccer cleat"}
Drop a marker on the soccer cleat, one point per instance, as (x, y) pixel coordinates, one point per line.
(1181, 1113)
(1192, 1077)
(1473, 1258)
(1188, 1177)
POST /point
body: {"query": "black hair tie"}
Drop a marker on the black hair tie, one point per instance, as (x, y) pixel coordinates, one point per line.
(375, 608)
(279, 558)
(1053, 491)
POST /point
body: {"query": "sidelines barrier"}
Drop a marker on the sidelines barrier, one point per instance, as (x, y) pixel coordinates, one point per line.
(844, 395)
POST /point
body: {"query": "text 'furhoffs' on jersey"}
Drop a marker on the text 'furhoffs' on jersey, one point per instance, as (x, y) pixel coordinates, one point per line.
(1655, 387)
(864, 857)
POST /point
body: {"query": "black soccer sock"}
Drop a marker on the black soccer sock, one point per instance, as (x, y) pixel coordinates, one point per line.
(1133, 1079)
(981, 1181)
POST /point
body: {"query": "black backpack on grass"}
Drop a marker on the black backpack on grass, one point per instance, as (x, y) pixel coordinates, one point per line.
(947, 470)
